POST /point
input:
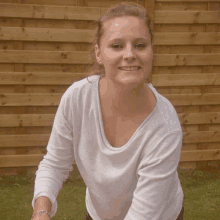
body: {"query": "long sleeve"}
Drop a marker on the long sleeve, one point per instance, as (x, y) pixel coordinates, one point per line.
(138, 181)
(156, 173)
(57, 163)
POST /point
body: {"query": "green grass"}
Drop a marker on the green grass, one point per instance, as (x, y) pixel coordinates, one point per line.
(201, 189)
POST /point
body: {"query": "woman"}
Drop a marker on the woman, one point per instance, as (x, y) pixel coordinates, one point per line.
(124, 137)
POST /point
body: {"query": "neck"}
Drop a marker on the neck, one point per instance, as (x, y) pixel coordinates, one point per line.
(124, 100)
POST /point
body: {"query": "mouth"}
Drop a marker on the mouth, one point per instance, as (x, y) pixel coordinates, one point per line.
(129, 68)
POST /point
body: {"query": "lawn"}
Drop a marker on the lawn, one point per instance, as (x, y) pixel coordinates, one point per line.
(201, 189)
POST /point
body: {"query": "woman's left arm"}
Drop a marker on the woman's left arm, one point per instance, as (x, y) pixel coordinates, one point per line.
(156, 180)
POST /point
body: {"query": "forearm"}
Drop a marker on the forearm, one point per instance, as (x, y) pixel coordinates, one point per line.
(42, 203)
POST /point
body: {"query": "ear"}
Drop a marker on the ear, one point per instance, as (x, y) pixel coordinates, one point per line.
(98, 54)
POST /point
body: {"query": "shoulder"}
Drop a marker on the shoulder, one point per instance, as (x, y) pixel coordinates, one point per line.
(166, 112)
(82, 86)
(77, 96)
(78, 93)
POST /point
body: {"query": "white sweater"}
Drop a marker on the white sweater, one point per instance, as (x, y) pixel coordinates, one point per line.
(138, 181)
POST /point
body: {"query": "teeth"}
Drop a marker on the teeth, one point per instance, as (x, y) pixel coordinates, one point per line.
(129, 68)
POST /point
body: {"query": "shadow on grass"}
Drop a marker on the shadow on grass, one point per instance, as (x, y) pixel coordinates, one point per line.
(198, 177)
(17, 193)
(188, 178)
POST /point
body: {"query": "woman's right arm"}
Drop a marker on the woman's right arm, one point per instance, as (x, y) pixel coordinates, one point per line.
(56, 165)
(42, 203)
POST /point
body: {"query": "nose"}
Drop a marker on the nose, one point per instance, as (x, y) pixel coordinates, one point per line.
(129, 53)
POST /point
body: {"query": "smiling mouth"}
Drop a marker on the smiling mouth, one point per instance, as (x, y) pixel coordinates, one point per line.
(129, 68)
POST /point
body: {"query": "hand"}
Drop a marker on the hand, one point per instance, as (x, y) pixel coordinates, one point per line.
(43, 216)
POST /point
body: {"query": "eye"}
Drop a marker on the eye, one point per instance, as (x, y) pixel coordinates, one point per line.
(116, 46)
(141, 45)
(119, 46)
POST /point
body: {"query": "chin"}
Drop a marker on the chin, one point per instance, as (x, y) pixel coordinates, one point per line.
(130, 81)
(131, 78)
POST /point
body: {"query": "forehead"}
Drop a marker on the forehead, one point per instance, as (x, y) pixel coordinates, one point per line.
(125, 26)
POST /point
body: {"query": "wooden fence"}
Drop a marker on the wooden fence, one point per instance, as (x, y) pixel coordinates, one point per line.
(44, 49)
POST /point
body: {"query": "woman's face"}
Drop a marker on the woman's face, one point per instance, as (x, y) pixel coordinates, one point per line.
(125, 50)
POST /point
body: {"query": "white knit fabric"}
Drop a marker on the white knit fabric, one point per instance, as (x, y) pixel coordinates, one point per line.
(138, 181)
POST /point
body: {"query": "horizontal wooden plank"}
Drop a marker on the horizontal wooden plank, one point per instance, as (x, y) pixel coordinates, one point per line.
(186, 59)
(76, 35)
(30, 140)
(53, 99)
(78, 57)
(89, 13)
(200, 155)
(35, 159)
(34, 120)
(30, 99)
(194, 99)
(46, 34)
(199, 118)
(201, 137)
(187, 38)
(36, 140)
(20, 160)
(49, 57)
(208, 79)
(39, 78)
(174, 1)
(26, 120)
(49, 12)
(67, 78)
(187, 17)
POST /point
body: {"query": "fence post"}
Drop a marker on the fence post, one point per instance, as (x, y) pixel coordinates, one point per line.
(150, 7)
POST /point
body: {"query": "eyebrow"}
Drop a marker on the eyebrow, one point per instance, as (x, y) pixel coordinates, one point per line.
(136, 39)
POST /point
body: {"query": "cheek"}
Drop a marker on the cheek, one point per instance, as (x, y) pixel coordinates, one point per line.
(148, 53)
(107, 54)
(148, 58)
(110, 55)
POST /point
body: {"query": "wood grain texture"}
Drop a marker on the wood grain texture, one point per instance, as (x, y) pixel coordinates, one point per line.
(49, 12)
(30, 99)
(194, 99)
(187, 17)
(26, 140)
(52, 99)
(43, 50)
(173, 1)
(20, 160)
(46, 34)
(199, 118)
(189, 79)
(49, 57)
(201, 137)
(67, 78)
(150, 7)
(186, 59)
(81, 35)
(89, 13)
(27, 120)
(40, 78)
(200, 155)
(78, 57)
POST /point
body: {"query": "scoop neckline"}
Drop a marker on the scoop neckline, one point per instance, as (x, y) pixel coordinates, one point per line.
(100, 119)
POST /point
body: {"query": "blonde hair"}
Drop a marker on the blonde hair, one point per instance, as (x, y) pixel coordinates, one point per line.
(119, 10)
